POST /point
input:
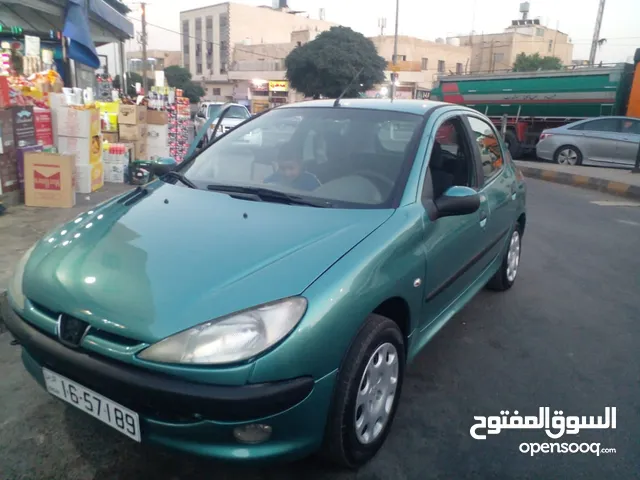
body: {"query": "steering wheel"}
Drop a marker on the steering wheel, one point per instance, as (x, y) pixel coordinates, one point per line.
(378, 177)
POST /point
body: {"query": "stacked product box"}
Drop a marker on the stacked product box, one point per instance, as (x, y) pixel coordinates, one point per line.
(43, 124)
(132, 125)
(78, 132)
(158, 134)
(179, 124)
(117, 160)
(17, 135)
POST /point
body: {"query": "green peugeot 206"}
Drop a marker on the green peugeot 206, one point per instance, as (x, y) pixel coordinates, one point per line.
(263, 299)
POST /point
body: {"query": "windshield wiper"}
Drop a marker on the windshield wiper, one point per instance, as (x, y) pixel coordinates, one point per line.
(268, 195)
(180, 177)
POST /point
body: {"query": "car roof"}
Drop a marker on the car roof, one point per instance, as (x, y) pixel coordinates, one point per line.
(419, 107)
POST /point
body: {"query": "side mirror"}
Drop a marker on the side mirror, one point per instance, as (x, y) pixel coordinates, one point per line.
(457, 201)
(200, 115)
(161, 166)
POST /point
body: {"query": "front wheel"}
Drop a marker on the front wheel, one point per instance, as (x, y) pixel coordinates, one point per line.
(366, 395)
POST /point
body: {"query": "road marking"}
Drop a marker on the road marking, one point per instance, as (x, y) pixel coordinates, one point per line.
(615, 203)
(628, 222)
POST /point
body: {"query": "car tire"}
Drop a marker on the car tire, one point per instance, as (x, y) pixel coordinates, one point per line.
(345, 443)
(513, 144)
(572, 152)
(506, 276)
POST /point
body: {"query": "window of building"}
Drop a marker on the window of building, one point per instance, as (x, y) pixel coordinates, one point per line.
(209, 44)
(550, 45)
(540, 32)
(458, 68)
(185, 43)
(401, 58)
(198, 46)
(215, 91)
(440, 66)
(498, 58)
(424, 65)
(223, 25)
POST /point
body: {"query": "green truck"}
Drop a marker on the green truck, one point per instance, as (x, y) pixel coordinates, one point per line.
(535, 101)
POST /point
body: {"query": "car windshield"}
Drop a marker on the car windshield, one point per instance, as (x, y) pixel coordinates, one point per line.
(214, 110)
(349, 158)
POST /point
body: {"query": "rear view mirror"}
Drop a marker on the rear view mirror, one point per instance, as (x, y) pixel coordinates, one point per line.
(457, 201)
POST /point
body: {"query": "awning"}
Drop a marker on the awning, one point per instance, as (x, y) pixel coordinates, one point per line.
(76, 29)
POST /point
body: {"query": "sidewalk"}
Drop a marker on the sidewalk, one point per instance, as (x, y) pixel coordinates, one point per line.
(21, 226)
(616, 181)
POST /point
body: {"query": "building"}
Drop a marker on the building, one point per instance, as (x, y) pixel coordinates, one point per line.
(156, 60)
(419, 63)
(497, 51)
(213, 36)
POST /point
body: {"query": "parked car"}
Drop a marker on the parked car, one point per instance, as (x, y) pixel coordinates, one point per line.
(606, 141)
(236, 115)
(223, 311)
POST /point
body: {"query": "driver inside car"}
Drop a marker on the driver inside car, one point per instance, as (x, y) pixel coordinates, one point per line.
(291, 173)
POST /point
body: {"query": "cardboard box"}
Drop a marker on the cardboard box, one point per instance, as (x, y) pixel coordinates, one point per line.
(44, 126)
(20, 154)
(119, 158)
(7, 144)
(139, 150)
(9, 177)
(116, 173)
(132, 114)
(89, 178)
(24, 131)
(157, 117)
(157, 136)
(86, 150)
(74, 122)
(49, 180)
(133, 132)
(111, 137)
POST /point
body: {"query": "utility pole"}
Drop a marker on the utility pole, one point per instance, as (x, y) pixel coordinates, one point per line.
(596, 33)
(395, 53)
(143, 41)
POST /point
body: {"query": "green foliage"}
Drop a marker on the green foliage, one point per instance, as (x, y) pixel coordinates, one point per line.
(132, 79)
(179, 77)
(532, 63)
(327, 64)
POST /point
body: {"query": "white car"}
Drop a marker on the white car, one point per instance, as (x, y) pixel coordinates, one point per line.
(237, 114)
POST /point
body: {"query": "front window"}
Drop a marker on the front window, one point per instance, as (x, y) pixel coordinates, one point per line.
(346, 158)
(214, 111)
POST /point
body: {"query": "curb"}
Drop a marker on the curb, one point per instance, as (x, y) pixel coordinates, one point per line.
(592, 183)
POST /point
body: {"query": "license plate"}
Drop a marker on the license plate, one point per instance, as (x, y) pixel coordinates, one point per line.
(105, 410)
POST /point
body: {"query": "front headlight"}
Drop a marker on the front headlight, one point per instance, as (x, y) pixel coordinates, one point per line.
(15, 285)
(229, 339)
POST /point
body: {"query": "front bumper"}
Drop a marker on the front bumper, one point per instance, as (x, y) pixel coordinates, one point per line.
(193, 417)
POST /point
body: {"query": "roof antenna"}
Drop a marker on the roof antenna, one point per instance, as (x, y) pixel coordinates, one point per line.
(337, 102)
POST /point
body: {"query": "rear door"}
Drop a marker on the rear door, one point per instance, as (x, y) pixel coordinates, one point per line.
(498, 185)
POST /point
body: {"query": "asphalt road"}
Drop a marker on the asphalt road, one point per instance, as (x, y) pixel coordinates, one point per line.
(565, 337)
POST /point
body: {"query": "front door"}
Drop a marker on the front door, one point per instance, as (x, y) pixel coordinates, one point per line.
(453, 245)
(629, 142)
(601, 139)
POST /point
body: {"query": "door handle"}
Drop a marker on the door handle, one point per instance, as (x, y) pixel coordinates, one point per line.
(483, 218)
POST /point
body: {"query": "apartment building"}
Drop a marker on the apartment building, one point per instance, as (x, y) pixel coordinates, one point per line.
(212, 37)
(498, 51)
(419, 63)
(156, 60)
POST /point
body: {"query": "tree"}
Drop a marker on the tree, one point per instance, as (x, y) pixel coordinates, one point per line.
(179, 77)
(326, 65)
(532, 63)
(132, 79)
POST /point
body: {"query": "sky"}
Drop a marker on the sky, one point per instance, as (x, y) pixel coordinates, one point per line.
(430, 19)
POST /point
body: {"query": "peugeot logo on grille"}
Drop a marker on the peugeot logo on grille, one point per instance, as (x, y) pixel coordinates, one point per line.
(71, 331)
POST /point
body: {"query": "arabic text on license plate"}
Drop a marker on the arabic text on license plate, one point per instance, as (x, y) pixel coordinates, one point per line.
(105, 410)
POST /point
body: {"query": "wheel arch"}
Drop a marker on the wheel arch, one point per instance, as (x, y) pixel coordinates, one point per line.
(397, 309)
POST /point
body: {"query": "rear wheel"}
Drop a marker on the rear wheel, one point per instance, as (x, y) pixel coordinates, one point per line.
(513, 144)
(505, 277)
(366, 395)
(568, 155)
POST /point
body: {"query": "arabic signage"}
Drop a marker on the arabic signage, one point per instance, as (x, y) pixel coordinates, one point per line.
(405, 66)
(279, 86)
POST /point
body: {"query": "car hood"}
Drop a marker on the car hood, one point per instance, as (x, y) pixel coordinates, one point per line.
(149, 267)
